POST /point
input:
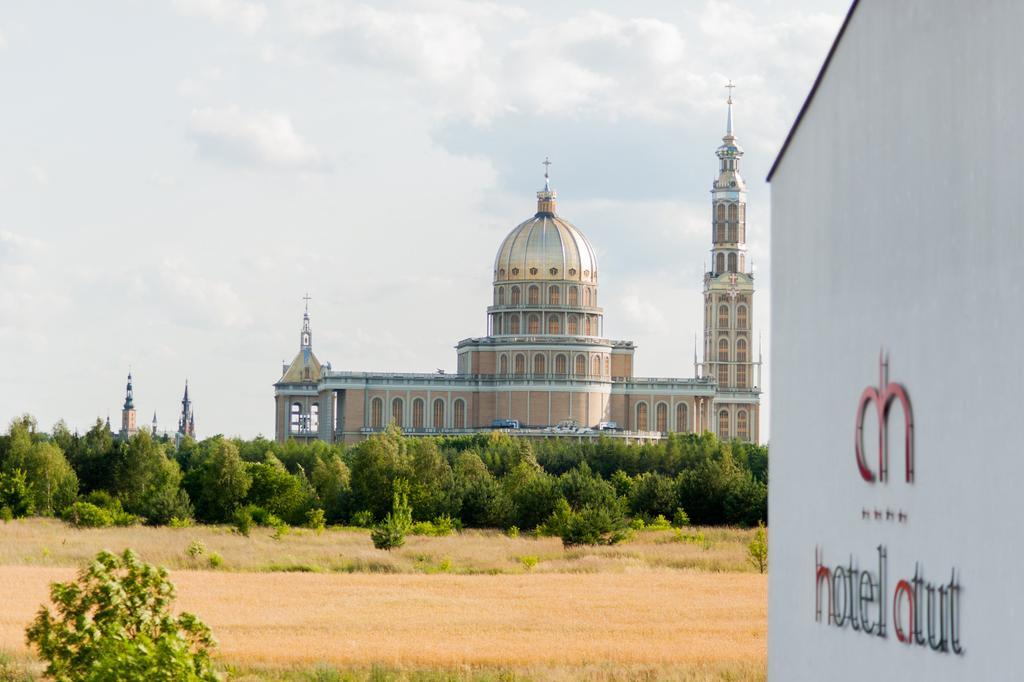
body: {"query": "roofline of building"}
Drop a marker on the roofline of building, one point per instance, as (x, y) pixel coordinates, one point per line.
(814, 90)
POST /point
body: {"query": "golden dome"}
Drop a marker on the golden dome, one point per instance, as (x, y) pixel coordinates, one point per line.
(546, 247)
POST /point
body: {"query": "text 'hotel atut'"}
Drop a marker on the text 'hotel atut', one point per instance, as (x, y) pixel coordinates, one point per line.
(545, 360)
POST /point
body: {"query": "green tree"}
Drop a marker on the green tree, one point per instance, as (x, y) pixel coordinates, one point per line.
(331, 479)
(49, 477)
(398, 522)
(115, 623)
(284, 495)
(432, 489)
(148, 482)
(481, 500)
(219, 485)
(15, 495)
(376, 464)
(757, 550)
(653, 494)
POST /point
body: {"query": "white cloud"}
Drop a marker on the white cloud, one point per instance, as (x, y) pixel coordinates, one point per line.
(3, 40)
(240, 14)
(262, 139)
(195, 300)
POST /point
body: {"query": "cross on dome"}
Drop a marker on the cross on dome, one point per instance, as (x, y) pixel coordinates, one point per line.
(546, 162)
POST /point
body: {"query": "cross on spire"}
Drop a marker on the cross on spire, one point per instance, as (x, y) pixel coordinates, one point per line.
(730, 87)
(546, 162)
(307, 298)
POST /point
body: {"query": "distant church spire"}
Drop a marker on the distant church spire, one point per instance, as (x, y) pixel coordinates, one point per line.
(187, 420)
(154, 423)
(728, 119)
(306, 337)
(129, 395)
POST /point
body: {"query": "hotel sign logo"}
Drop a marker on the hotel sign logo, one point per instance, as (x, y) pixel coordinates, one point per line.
(883, 397)
(853, 595)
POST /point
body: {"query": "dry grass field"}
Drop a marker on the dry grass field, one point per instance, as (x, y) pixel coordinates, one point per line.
(462, 606)
(46, 542)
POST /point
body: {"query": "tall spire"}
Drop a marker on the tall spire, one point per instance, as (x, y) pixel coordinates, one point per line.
(728, 119)
(154, 423)
(306, 337)
(128, 394)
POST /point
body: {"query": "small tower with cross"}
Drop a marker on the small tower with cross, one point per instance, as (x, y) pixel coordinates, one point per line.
(298, 405)
(546, 197)
(729, 298)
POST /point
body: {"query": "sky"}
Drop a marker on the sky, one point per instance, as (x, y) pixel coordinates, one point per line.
(177, 174)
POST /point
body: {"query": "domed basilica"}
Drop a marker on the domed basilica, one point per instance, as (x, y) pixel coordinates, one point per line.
(545, 366)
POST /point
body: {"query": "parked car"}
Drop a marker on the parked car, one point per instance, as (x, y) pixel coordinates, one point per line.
(505, 424)
(608, 426)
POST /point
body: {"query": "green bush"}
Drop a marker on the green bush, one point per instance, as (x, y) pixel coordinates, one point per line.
(513, 531)
(6, 514)
(315, 520)
(88, 515)
(529, 562)
(243, 521)
(591, 525)
(391, 533)
(680, 519)
(757, 550)
(363, 519)
(215, 560)
(195, 549)
(115, 623)
(659, 523)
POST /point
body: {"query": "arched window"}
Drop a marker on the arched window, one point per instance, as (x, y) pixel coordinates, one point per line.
(586, 296)
(574, 296)
(741, 317)
(439, 413)
(682, 418)
(732, 213)
(720, 232)
(559, 364)
(520, 364)
(553, 326)
(723, 375)
(314, 417)
(534, 295)
(723, 425)
(501, 295)
(296, 417)
(538, 364)
(732, 262)
(720, 263)
(513, 327)
(586, 322)
(741, 366)
(459, 414)
(581, 365)
(661, 418)
(596, 366)
(417, 413)
(377, 413)
(723, 316)
(574, 328)
(641, 416)
(742, 430)
(515, 296)
(533, 325)
(720, 213)
(554, 295)
(396, 411)
(503, 365)
(723, 350)
(497, 325)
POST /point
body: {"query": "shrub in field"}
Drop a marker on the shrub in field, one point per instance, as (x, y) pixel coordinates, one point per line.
(88, 515)
(315, 520)
(363, 519)
(391, 532)
(195, 549)
(115, 623)
(680, 519)
(529, 562)
(659, 522)
(591, 525)
(243, 521)
(757, 550)
(513, 531)
(215, 560)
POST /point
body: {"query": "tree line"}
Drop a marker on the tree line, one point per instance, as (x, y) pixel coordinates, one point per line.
(485, 480)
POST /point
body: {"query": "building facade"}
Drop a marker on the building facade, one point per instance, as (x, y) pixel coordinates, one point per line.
(545, 360)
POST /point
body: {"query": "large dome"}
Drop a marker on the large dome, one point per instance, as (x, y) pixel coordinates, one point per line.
(546, 247)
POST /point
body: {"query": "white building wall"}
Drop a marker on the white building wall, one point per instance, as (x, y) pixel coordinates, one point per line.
(896, 220)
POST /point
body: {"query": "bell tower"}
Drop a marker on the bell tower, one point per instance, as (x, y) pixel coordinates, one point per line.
(729, 299)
